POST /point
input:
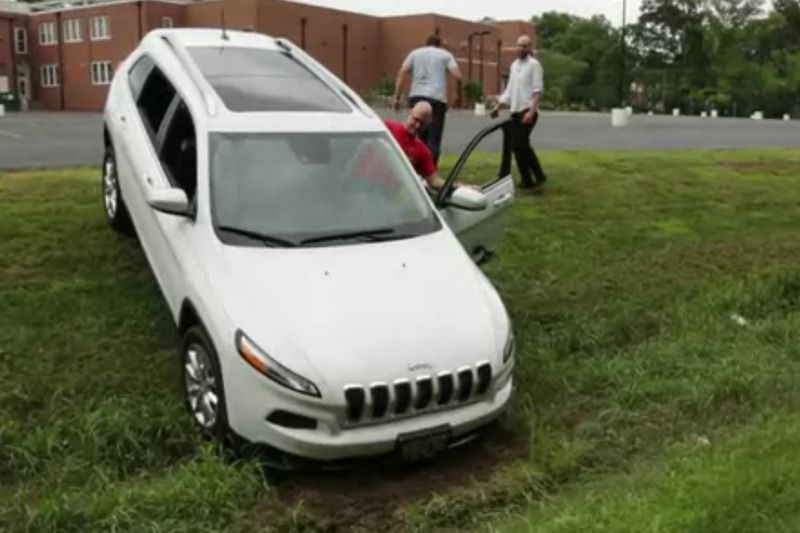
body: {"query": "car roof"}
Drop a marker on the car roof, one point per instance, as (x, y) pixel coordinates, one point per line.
(235, 80)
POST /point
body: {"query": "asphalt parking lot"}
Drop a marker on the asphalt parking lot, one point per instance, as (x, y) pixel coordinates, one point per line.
(38, 139)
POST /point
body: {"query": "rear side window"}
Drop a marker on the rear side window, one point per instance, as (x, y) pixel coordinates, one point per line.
(155, 98)
(138, 75)
(179, 151)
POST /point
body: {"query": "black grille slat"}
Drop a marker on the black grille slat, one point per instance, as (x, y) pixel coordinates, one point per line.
(484, 377)
(355, 403)
(464, 385)
(380, 400)
(446, 387)
(402, 392)
(424, 393)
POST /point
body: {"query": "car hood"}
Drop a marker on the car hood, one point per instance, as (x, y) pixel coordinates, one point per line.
(365, 312)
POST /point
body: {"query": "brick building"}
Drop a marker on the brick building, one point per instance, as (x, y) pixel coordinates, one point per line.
(61, 55)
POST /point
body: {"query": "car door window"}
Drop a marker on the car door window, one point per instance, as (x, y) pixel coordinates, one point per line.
(480, 231)
(138, 74)
(474, 167)
(178, 151)
(155, 99)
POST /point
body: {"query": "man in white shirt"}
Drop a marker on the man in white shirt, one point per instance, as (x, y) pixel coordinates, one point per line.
(429, 67)
(522, 96)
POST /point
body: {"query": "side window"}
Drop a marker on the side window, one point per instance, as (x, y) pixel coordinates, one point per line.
(179, 151)
(154, 99)
(137, 75)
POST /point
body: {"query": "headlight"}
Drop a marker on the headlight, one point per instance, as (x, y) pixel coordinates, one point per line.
(508, 350)
(258, 359)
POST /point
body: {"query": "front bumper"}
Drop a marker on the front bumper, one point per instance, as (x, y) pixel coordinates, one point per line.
(331, 441)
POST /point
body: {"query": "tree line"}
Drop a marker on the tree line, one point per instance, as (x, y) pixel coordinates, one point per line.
(733, 56)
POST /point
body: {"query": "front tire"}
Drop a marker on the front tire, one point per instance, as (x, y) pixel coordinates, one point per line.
(114, 206)
(202, 384)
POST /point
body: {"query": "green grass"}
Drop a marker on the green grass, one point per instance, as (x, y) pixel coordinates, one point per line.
(748, 483)
(622, 281)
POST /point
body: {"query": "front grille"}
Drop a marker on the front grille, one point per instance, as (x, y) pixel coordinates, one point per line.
(401, 398)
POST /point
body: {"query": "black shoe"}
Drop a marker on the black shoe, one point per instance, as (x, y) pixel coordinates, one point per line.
(526, 186)
(538, 187)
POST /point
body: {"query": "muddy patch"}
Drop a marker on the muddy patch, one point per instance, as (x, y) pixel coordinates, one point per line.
(366, 496)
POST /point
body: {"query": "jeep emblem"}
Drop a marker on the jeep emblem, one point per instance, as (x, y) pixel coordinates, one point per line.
(420, 366)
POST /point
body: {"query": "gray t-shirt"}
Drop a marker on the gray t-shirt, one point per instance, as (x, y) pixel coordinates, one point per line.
(429, 66)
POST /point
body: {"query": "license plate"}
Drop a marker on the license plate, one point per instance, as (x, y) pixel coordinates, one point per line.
(422, 445)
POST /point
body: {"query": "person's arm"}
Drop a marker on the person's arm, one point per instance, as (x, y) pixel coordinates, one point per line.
(538, 90)
(402, 74)
(435, 181)
(504, 99)
(452, 68)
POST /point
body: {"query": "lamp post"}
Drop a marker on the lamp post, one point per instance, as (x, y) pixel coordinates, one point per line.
(469, 56)
(480, 36)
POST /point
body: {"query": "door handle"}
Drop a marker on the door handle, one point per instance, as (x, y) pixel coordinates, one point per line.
(504, 200)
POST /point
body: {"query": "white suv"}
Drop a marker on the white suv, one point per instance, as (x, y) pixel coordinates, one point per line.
(326, 305)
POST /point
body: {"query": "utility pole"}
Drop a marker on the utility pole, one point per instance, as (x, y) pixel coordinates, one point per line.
(622, 56)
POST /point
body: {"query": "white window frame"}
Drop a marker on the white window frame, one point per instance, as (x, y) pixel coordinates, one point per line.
(20, 38)
(73, 31)
(102, 72)
(50, 75)
(167, 22)
(100, 28)
(47, 34)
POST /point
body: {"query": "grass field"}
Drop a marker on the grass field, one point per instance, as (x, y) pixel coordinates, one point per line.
(656, 303)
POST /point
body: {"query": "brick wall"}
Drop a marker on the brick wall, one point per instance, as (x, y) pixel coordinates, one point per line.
(358, 48)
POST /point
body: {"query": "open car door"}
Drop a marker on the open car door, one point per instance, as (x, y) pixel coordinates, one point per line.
(478, 225)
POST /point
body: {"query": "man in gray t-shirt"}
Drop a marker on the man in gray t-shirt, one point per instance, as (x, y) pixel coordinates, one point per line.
(429, 67)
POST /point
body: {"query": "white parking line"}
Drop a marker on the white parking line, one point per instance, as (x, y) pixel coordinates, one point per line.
(12, 135)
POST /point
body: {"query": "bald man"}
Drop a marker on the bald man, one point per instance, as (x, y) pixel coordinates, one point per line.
(407, 136)
(522, 96)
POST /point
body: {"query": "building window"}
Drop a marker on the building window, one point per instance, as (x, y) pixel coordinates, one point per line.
(102, 72)
(100, 29)
(50, 76)
(73, 31)
(167, 22)
(21, 40)
(47, 33)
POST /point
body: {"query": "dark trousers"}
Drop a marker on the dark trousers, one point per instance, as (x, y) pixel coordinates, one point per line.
(432, 135)
(516, 140)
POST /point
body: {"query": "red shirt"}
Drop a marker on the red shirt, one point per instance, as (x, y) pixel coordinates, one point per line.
(416, 151)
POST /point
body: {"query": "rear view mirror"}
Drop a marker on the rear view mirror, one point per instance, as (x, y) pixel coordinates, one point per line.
(468, 199)
(172, 201)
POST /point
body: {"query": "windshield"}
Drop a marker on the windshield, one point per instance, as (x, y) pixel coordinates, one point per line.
(314, 188)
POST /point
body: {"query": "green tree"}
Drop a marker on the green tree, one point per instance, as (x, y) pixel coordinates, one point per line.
(585, 59)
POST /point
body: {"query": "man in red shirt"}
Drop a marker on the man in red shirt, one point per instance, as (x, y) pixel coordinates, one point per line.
(407, 136)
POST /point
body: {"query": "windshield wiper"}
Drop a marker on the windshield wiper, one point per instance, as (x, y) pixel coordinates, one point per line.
(377, 234)
(269, 240)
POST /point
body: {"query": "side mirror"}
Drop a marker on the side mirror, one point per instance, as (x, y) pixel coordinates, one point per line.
(172, 201)
(467, 199)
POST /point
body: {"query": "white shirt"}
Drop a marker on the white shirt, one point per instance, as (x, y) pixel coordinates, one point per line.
(525, 80)
(429, 66)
